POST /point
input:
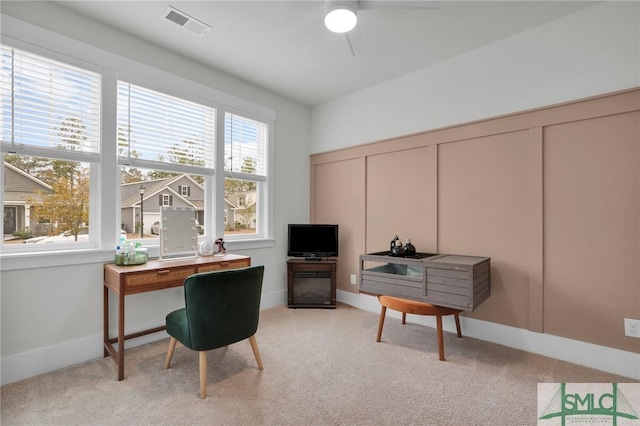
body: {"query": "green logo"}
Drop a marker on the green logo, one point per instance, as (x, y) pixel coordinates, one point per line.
(586, 405)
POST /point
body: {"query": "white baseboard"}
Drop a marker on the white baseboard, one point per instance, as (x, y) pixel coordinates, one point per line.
(602, 358)
(627, 364)
(43, 360)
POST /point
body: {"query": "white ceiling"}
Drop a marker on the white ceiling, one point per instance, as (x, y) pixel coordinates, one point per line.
(284, 47)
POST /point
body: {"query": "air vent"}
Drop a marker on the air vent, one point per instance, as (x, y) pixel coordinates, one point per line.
(185, 21)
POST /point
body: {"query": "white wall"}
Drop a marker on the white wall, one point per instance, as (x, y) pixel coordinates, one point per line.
(591, 52)
(52, 315)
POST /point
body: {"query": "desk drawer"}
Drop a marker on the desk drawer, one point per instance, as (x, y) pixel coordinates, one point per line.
(158, 276)
(225, 264)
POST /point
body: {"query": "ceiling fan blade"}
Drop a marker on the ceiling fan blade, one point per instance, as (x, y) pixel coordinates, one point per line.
(398, 4)
(356, 42)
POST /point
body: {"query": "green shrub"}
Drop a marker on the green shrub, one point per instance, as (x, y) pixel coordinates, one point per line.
(24, 233)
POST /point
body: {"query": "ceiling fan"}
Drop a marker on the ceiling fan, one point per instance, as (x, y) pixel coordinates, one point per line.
(341, 16)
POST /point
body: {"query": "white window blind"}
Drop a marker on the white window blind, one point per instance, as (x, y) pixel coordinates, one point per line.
(245, 147)
(49, 108)
(156, 129)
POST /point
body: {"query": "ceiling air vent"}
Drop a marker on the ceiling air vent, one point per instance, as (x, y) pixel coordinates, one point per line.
(185, 21)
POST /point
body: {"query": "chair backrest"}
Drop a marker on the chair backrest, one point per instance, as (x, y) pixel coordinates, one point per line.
(223, 307)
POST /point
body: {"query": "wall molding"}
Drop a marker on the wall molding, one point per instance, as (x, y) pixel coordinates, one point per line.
(529, 180)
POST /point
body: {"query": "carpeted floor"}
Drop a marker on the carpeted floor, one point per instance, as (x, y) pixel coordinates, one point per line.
(322, 367)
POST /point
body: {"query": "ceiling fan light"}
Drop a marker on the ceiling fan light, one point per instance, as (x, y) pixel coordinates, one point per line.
(341, 19)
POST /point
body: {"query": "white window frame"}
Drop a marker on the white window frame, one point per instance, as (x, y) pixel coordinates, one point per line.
(105, 208)
(95, 165)
(264, 184)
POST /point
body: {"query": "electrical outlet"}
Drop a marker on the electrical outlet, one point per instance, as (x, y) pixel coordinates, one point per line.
(353, 279)
(632, 327)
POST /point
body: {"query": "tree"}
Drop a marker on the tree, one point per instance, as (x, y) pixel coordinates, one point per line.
(128, 174)
(188, 153)
(33, 166)
(248, 213)
(231, 186)
(68, 204)
(72, 133)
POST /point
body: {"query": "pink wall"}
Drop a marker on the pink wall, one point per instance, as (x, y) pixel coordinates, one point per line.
(552, 195)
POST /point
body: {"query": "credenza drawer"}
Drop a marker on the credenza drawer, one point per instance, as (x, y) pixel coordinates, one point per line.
(226, 264)
(158, 276)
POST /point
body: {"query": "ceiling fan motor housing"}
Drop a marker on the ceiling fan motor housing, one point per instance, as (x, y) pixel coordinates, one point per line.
(340, 16)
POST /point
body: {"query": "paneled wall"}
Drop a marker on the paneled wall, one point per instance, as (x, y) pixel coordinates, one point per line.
(552, 195)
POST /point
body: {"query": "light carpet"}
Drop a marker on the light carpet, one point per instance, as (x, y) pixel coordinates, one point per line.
(321, 367)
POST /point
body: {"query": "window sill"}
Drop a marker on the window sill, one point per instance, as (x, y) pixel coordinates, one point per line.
(17, 261)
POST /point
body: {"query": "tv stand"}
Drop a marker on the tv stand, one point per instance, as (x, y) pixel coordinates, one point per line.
(311, 283)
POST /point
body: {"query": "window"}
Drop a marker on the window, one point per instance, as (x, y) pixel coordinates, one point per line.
(50, 148)
(166, 145)
(245, 149)
(60, 114)
(184, 190)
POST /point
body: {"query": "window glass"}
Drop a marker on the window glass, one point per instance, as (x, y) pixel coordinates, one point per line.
(45, 200)
(154, 127)
(246, 166)
(50, 143)
(143, 192)
(241, 207)
(166, 145)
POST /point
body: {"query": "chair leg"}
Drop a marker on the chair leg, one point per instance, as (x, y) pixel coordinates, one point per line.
(203, 374)
(404, 318)
(383, 312)
(256, 351)
(458, 329)
(440, 337)
(172, 347)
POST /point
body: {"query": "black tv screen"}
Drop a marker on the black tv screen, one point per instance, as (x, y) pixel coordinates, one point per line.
(312, 240)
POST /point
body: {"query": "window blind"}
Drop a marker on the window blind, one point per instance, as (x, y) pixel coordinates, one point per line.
(48, 106)
(245, 146)
(154, 127)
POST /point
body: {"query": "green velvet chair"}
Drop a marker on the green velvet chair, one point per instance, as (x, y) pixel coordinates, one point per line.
(221, 308)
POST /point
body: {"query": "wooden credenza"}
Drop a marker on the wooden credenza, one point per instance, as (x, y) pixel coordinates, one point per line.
(452, 281)
(151, 276)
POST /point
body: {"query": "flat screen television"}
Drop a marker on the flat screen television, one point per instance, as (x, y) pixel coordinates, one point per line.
(312, 241)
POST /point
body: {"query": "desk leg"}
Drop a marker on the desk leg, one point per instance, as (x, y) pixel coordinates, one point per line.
(105, 320)
(121, 336)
